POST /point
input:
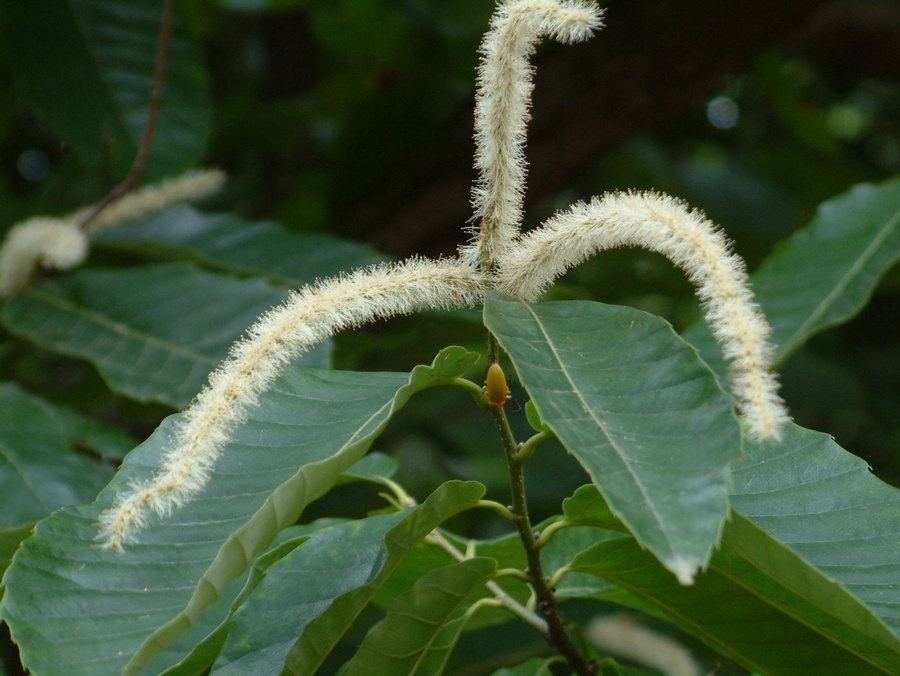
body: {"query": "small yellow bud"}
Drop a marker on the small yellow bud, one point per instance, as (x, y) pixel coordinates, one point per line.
(495, 386)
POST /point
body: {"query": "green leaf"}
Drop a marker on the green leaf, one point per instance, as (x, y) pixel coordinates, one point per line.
(642, 414)
(534, 418)
(826, 272)
(828, 507)
(154, 332)
(812, 555)
(203, 651)
(375, 468)
(298, 614)
(40, 470)
(420, 628)
(74, 608)
(804, 626)
(234, 244)
(86, 67)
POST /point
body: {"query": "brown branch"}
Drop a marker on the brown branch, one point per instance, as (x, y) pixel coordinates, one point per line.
(136, 172)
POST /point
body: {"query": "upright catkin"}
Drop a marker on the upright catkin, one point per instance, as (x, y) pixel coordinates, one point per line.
(502, 103)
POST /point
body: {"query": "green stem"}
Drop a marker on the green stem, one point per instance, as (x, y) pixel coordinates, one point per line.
(501, 510)
(477, 392)
(504, 599)
(544, 536)
(556, 634)
(527, 448)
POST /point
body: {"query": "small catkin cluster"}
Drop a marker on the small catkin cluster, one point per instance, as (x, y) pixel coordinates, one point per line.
(275, 340)
(62, 243)
(502, 102)
(687, 238)
(50, 243)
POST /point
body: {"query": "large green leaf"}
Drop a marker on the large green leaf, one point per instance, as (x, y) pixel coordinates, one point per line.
(75, 608)
(634, 404)
(421, 626)
(792, 621)
(826, 272)
(40, 466)
(86, 66)
(827, 506)
(812, 554)
(203, 650)
(300, 612)
(234, 244)
(154, 332)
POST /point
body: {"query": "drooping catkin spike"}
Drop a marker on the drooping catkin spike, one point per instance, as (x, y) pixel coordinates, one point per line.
(502, 103)
(53, 243)
(687, 238)
(276, 339)
(191, 186)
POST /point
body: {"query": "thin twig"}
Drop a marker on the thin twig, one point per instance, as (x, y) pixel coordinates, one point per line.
(504, 599)
(435, 537)
(136, 172)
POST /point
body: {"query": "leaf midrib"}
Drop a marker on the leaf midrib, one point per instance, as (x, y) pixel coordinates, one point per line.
(656, 516)
(118, 328)
(726, 646)
(841, 286)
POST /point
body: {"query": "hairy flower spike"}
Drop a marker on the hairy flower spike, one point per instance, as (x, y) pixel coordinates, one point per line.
(502, 106)
(274, 341)
(664, 225)
(53, 243)
(189, 187)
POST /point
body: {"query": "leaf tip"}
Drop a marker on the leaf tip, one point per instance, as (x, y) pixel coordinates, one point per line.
(684, 570)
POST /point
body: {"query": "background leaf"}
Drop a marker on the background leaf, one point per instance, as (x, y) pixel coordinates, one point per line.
(292, 450)
(812, 549)
(826, 272)
(86, 66)
(154, 332)
(237, 245)
(40, 467)
(420, 629)
(298, 613)
(638, 409)
(826, 505)
(792, 632)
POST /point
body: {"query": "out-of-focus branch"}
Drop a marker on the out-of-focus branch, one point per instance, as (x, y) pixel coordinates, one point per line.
(136, 172)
